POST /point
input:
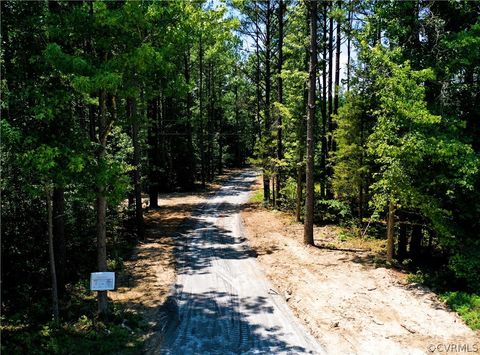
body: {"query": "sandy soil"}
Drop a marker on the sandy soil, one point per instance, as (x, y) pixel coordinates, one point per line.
(348, 304)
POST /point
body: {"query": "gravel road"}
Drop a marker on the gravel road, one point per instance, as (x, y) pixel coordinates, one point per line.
(224, 303)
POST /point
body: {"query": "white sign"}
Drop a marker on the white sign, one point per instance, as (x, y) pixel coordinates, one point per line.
(102, 281)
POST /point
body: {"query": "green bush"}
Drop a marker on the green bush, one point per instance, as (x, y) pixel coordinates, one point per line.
(466, 265)
(288, 194)
(467, 305)
(331, 211)
(256, 196)
(418, 277)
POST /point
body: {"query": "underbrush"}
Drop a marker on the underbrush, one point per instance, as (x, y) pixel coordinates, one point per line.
(459, 297)
(256, 196)
(467, 305)
(26, 325)
(80, 332)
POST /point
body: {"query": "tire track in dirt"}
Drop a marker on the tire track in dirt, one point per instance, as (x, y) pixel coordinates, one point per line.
(224, 301)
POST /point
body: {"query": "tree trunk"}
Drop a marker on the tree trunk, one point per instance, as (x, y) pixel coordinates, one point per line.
(51, 253)
(402, 242)
(274, 192)
(266, 176)
(210, 122)
(308, 226)
(188, 127)
(323, 158)
(360, 202)
(278, 177)
(329, 170)
(390, 231)
(337, 71)
(330, 78)
(101, 205)
(416, 241)
(238, 155)
(153, 153)
(349, 44)
(200, 94)
(220, 145)
(299, 193)
(59, 239)
(300, 136)
(257, 72)
(132, 113)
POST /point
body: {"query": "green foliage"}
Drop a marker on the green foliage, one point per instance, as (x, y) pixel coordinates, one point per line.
(80, 332)
(407, 132)
(467, 305)
(407, 142)
(466, 265)
(256, 197)
(289, 194)
(84, 336)
(331, 211)
(418, 277)
(351, 163)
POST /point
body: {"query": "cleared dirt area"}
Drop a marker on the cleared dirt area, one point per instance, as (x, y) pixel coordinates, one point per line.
(350, 305)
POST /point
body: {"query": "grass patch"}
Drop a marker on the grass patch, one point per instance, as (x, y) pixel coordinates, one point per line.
(256, 196)
(467, 305)
(350, 237)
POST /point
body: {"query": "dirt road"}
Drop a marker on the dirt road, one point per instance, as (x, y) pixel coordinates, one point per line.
(223, 301)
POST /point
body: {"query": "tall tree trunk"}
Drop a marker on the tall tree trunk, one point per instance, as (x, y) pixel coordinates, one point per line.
(360, 201)
(132, 112)
(337, 70)
(323, 158)
(278, 177)
(153, 153)
(238, 152)
(362, 183)
(266, 176)
(349, 44)
(308, 226)
(257, 72)
(329, 170)
(210, 122)
(299, 192)
(390, 231)
(402, 242)
(189, 104)
(416, 241)
(101, 204)
(200, 94)
(58, 200)
(220, 144)
(301, 138)
(330, 78)
(51, 253)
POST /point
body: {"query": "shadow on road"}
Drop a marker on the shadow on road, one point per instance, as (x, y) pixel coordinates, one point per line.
(231, 332)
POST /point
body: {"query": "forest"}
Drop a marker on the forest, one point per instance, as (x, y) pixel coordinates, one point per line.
(359, 114)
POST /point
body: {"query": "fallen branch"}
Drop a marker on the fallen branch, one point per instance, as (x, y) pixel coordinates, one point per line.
(353, 250)
(410, 330)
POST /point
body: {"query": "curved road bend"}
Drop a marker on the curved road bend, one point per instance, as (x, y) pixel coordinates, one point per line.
(225, 303)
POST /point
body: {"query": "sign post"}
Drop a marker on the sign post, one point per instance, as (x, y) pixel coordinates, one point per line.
(102, 281)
